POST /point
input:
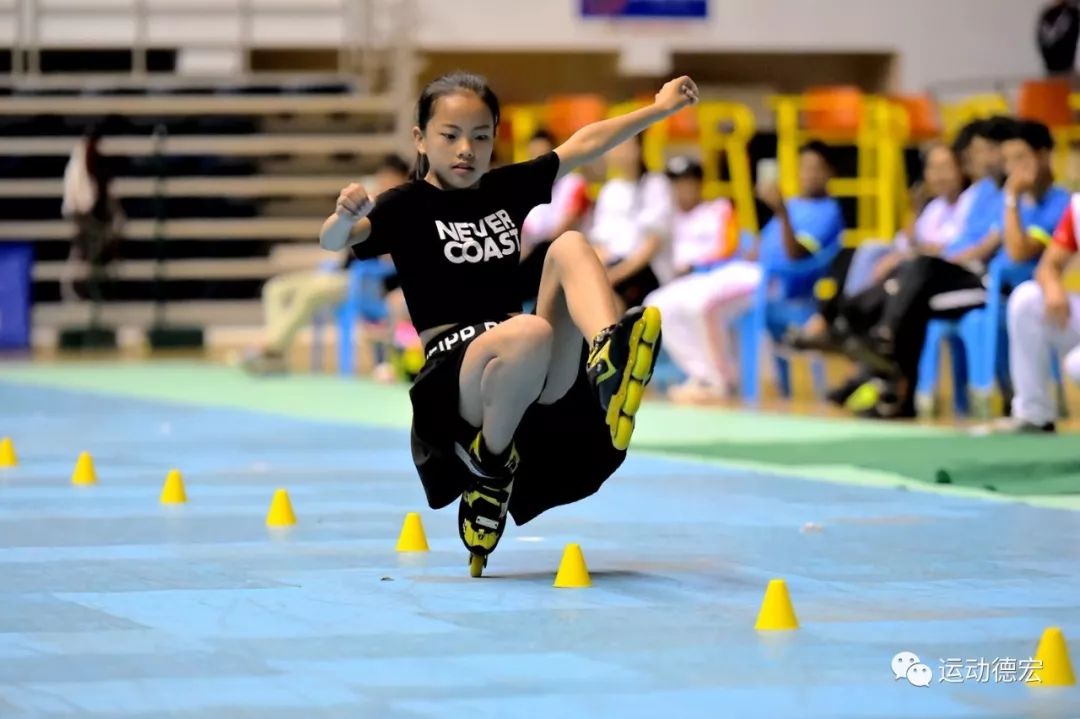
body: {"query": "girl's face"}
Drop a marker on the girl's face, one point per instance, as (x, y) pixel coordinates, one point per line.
(941, 173)
(458, 140)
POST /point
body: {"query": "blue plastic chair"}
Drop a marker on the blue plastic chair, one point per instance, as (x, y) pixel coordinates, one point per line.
(971, 362)
(783, 299)
(979, 344)
(363, 302)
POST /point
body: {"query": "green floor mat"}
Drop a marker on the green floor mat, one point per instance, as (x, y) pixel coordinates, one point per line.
(1013, 465)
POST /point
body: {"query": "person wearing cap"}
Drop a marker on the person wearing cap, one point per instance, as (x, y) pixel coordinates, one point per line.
(704, 236)
(698, 309)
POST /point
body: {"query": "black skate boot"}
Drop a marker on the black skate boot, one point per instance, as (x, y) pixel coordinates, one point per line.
(620, 365)
(483, 506)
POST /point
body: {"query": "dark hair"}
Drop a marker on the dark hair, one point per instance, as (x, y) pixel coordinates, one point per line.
(681, 167)
(448, 85)
(544, 135)
(965, 136)
(393, 163)
(819, 148)
(1034, 134)
(998, 128)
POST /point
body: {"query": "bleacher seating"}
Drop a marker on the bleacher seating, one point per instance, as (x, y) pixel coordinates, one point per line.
(237, 176)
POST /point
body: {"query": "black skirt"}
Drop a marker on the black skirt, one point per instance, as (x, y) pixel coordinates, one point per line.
(565, 448)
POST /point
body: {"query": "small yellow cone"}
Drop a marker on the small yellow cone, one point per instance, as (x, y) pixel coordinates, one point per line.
(573, 574)
(84, 473)
(173, 492)
(412, 537)
(281, 513)
(7, 453)
(1053, 668)
(776, 611)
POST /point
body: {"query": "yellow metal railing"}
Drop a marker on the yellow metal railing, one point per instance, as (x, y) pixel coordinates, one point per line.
(724, 131)
(977, 107)
(878, 143)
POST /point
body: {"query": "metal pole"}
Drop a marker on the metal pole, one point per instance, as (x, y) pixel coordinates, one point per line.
(160, 137)
(246, 24)
(344, 50)
(404, 71)
(33, 39)
(18, 59)
(138, 50)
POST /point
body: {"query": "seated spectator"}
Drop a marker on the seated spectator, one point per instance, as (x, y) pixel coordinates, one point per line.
(698, 309)
(566, 211)
(704, 235)
(292, 299)
(978, 146)
(888, 334)
(1043, 318)
(631, 224)
(943, 202)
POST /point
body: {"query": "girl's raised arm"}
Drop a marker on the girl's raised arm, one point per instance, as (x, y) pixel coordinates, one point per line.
(592, 141)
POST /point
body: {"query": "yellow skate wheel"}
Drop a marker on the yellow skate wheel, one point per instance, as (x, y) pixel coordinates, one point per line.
(476, 565)
(623, 431)
(651, 319)
(634, 392)
(643, 363)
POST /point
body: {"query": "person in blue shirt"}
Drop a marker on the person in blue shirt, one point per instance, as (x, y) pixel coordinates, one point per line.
(979, 146)
(855, 279)
(1027, 211)
(698, 307)
(810, 224)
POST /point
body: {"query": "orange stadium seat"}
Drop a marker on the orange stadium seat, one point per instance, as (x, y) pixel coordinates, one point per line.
(924, 121)
(568, 113)
(683, 125)
(1046, 101)
(833, 111)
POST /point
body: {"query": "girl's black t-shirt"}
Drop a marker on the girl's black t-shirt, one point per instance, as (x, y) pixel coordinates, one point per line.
(457, 251)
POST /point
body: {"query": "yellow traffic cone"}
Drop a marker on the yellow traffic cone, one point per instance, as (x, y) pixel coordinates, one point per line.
(173, 491)
(281, 512)
(7, 453)
(776, 611)
(84, 473)
(573, 574)
(412, 537)
(1052, 665)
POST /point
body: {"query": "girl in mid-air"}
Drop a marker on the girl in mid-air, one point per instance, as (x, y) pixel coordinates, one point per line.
(513, 413)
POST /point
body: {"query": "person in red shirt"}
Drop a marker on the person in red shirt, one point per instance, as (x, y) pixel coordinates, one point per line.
(1043, 316)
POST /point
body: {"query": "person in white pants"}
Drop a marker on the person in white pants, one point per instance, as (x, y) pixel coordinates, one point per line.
(291, 299)
(703, 236)
(698, 308)
(1043, 317)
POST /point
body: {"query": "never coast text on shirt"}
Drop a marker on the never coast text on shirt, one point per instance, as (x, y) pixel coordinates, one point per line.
(457, 251)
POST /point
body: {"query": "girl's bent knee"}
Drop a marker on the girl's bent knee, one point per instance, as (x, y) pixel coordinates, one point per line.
(529, 333)
(571, 241)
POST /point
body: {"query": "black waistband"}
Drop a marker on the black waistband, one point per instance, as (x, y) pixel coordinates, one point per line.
(454, 337)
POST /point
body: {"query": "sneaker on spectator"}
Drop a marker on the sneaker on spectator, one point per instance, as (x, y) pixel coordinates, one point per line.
(1012, 425)
(695, 392)
(265, 363)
